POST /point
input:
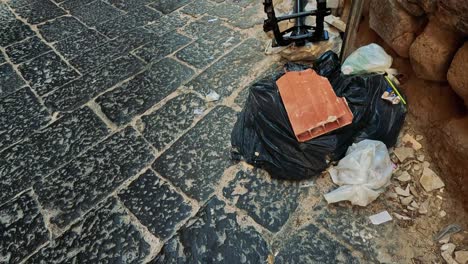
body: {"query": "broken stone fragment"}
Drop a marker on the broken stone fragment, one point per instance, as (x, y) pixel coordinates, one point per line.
(401, 192)
(423, 208)
(403, 153)
(442, 213)
(430, 181)
(406, 200)
(404, 177)
(447, 251)
(409, 140)
(401, 217)
(461, 256)
(414, 204)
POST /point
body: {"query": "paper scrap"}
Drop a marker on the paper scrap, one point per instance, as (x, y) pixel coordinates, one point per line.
(380, 218)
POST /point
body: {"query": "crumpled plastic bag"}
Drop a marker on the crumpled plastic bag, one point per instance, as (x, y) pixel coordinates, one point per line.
(362, 174)
(367, 59)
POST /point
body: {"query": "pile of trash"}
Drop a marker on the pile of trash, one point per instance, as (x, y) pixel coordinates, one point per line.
(263, 135)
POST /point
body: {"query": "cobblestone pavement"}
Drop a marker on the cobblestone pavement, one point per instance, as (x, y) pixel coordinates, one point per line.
(110, 153)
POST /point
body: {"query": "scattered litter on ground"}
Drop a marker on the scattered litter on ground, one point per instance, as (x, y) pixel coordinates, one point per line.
(380, 218)
(362, 174)
(212, 20)
(430, 181)
(448, 230)
(366, 59)
(212, 96)
(264, 127)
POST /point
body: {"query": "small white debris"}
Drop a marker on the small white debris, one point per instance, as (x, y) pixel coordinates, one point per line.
(461, 256)
(404, 177)
(414, 204)
(430, 181)
(212, 20)
(198, 111)
(406, 200)
(408, 139)
(445, 239)
(212, 96)
(401, 192)
(442, 213)
(403, 153)
(401, 217)
(380, 218)
(449, 247)
(419, 137)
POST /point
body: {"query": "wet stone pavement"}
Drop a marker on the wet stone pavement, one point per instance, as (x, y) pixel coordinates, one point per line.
(110, 152)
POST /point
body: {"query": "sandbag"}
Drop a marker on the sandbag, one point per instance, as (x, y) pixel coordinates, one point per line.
(263, 136)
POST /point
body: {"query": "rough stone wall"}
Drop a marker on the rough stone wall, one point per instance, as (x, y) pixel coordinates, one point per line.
(428, 40)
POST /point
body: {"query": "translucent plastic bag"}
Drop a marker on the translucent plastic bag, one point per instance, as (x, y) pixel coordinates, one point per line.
(362, 174)
(367, 59)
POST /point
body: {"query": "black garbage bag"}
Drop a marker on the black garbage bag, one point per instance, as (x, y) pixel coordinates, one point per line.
(263, 136)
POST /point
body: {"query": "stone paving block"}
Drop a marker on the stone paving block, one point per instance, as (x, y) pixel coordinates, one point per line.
(19, 3)
(128, 5)
(144, 90)
(268, 201)
(112, 50)
(196, 161)
(10, 81)
(227, 73)
(38, 155)
(76, 187)
(203, 27)
(39, 11)
(47, 72)
(197, 8)
(167, 23)
(162, 46)
(248, 18)
(26, 50)
(22, 229)
(60, 28)
(167, 6)
(80, 91)
(5, 14)
(156, 204)
(209, 47)
(71, 4)
(170, 121)
(20, 114)
(215, 236)
(14, 31)
(359, 232)
(310, 245)
(226, 10)
(75, 45)
(95, 13)
(136, 17)
(105, 235)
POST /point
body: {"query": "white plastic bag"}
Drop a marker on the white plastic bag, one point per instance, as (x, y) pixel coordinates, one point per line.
(362, 174)
(370, 58)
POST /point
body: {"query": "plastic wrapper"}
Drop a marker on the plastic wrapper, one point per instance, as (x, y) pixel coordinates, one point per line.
(362, 174)
(367, 59)
(263, 136)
